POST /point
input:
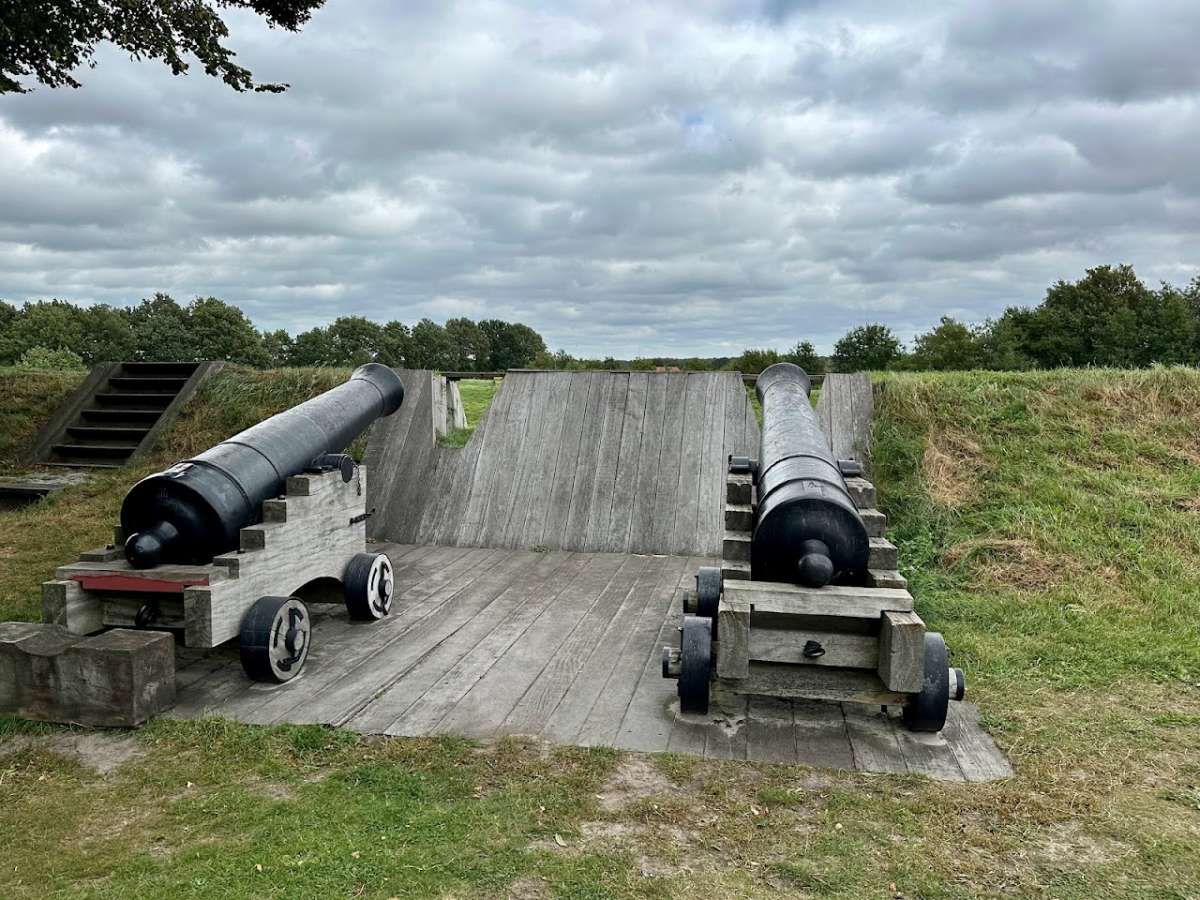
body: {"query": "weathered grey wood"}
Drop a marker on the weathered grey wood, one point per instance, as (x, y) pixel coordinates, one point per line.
(739, 489)
(600, 525)
(710, 510)
(603, 721)
(538, 703)
(786, 645)
(599, 399)
(927, 754)
(875, 521)
(691, 463)
(881, 578)
(736, 546)
(484, 708)
(625, 482)
(541, 482)
(536, 462)
(977, 754)
(662, 527)
(862, 492)
(902, 650)
(649, 470)
(516, 447)
(820, 733)
(770, 730)
(883, 554)
(728, 738)
(831, 600)
(632, 619)
(65, 603)
(491, 460)
(845, 411)
(739, 517)
(813, 683)
(735, 570)
(426, 692)
(733, 633)
(873, 739)
(563, 484)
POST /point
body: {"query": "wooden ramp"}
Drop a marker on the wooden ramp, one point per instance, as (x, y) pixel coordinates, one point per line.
(620, 462)
(564, 645)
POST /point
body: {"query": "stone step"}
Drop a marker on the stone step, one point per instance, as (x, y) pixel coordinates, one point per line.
(739, 517)
(862, 492)
(736, 546)
(883, 554)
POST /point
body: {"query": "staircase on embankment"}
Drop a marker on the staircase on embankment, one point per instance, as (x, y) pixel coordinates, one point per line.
(118, 413)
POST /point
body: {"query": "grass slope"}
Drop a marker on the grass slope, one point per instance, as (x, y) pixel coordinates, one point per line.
(27, 400)
(1050, 525)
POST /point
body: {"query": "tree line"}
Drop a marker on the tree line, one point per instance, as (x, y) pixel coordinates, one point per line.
(1109, 317)
(56, 334)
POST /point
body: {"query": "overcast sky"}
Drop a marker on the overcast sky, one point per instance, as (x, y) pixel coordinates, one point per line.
(627, 178)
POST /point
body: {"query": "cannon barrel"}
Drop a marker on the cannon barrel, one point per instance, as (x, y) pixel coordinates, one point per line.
(806, 527)
(194, 510)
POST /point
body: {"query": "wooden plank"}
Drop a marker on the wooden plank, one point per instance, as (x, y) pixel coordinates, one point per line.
(650, 716)
(977, 754)
(511, 450)
(538, 703)
(739, 517)
(65, 603)
(395, 444)
(603, 720)
(599, 397)
(625, 482)
(562, 485)
(786, 645)
(813, 683)
(770, 731)
(873, 739)
(491, 435)
(733, 633)
(831, 600)
(421, 695)
(611, 650)
(927, 754)
(733, 440)
(728, 738)
(600, 525)
(537, 498)
(751, 435)
(641, 524)
(736, 546)
(662, 527)
(883, 554)
(739, 489)
(697, 399)
(862, 492)
(902, 651)
(484, 708)
(821, 737)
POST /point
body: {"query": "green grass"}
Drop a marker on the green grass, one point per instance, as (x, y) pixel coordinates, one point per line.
(477, 394)
(1050, 526)
(29, 399)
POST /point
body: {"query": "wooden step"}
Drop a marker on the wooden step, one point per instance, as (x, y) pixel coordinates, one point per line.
(80, 464)
(886, 578)
(739, 490)
(158, 401)
(739, 517)
(182, 370)
(94, 451)
(151, 384)
(735, 570)
(862, 492)
(875, 521)
(114, 414)
(736, 546)
(100, 433)
(883, 554)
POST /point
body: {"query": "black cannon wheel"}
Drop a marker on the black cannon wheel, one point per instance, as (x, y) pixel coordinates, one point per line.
(274, 639)
(926, 711)
(695, 664)
(708, 591)
(368, 584)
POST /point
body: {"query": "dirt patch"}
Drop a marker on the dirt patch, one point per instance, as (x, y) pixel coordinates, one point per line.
(950, 464)
(273, 790)
(1067, 846)
(102, 753)
(635, 779)
(1013, 562)
(528, 889)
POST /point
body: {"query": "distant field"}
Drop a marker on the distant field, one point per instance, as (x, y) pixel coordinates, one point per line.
(1050, 525)
(477, 394)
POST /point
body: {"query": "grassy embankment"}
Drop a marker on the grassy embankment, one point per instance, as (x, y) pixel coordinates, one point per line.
(476, 394)
(1050, 524)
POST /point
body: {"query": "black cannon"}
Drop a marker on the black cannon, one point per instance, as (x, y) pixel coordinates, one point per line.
(806, 526)
(195, 510)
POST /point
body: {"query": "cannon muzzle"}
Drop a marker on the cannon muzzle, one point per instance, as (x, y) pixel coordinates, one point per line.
(194, 510)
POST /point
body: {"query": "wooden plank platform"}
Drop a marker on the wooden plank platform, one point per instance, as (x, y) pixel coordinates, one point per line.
(562, 645)
(626, 462)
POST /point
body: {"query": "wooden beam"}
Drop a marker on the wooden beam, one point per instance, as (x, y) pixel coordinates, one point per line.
(832, 600)
(733, 637)
(902, 651)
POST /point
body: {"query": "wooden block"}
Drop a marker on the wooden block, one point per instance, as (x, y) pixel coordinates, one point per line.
(734, 569)
(115, 679)
(883, 554)
(862, 492)
(733, 634)
(274, 511)
(884, 578)
(66, 604)
(813, 683)
(739, 517)
(786, 645)
(736, 546)
(875, 521)
(121, 612)
(901, 651)
(832, 600)
(102, 554)
(739, 490)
